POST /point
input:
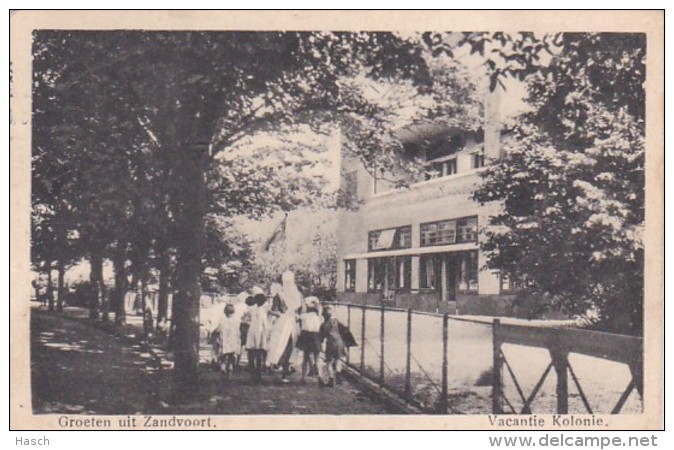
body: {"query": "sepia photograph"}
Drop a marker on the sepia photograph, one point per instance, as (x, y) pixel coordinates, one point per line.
(435, 222)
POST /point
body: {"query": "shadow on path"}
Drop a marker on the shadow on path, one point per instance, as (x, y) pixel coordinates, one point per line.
(79, 367)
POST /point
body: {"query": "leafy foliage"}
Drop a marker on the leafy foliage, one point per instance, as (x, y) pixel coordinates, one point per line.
(227, 255)
(135, 120)
(572, 183)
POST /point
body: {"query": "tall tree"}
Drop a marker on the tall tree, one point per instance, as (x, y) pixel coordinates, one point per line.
(572, 181)
(223, 89)
(198, 94)
(94, 155)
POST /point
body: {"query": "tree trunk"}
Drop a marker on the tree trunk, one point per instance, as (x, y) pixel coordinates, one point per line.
(105, 301)
(50, 286)
(95, 274)
(118, 262)
(138, 306)
(162, 295)
(172, 326)
(143, 294)
(61, 287)
(190, 243)
(148, 325)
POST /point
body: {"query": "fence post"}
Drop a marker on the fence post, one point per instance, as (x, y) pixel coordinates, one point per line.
(560, 362)
(408, 361)
(445, 348)
(348, 325)
(496, 392)
(637, 371)
(381, 347)
(362, 343)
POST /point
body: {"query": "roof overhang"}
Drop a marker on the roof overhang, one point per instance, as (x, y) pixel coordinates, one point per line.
(414, 134)
(415, 251)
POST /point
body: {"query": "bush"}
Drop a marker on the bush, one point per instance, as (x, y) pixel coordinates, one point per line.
(485, 378)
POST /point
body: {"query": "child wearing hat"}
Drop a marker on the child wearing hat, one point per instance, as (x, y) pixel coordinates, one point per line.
(308, 341)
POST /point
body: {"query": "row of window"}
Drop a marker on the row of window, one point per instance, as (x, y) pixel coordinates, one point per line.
(433, 233)
(392, 273)
(457, 271)
(461, 270)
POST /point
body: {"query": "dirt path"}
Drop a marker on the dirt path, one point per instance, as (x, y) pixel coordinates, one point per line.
(77, 367)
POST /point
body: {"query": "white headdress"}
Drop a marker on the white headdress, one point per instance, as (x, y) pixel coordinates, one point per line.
(290, 294)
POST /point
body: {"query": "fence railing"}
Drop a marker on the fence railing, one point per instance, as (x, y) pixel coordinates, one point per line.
(389, 355)
(447, 364)
(560, 343)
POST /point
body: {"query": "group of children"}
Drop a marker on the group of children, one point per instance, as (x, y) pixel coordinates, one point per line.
(272, 332)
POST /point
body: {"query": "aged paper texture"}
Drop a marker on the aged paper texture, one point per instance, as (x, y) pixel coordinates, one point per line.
(43, 361)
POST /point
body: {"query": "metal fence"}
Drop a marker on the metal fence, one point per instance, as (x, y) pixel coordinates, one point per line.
(453, 365)
(418, 356)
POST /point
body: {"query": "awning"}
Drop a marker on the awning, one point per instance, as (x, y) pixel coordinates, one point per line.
(415, 251)
(385, 239)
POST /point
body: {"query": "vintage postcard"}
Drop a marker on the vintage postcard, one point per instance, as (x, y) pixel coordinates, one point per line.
(337, 220)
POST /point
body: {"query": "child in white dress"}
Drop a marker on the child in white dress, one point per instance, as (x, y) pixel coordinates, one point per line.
(258, 333)
(230, 341)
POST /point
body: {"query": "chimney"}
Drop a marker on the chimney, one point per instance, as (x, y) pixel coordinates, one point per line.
(492, 124)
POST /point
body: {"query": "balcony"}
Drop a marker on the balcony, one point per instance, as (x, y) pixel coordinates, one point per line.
(458, 184)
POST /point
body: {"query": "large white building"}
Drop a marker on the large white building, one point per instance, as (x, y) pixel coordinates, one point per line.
(418, 247)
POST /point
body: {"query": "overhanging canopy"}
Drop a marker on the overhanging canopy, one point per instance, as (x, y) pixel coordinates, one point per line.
(415, 251)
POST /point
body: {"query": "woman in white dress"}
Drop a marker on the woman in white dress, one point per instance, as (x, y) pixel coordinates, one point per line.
(286, 301)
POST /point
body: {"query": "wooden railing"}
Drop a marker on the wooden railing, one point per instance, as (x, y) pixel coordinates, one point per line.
(560, 343)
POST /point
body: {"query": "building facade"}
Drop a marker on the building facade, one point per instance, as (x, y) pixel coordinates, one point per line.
(418, 247)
